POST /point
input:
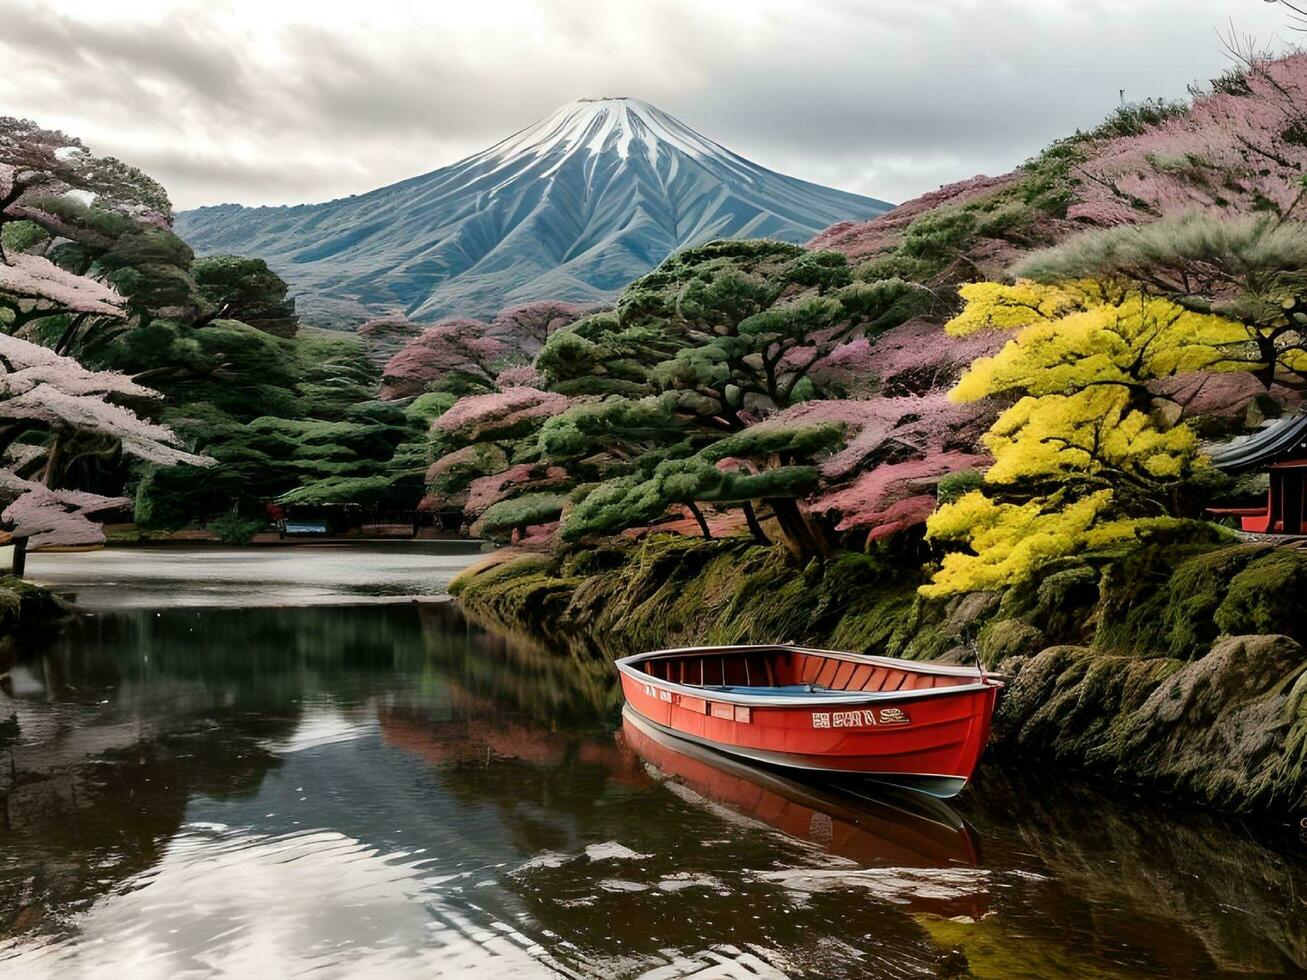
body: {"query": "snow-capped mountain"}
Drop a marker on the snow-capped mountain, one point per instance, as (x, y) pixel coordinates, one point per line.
(571, 208)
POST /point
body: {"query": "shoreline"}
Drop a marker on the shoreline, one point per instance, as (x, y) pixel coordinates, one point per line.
(1221, 723)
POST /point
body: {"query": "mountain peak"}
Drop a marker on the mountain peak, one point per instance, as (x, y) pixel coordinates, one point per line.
(572, 208)
(607, 124)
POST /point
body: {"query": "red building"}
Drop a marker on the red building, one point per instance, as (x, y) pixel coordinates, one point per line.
(1281, 449)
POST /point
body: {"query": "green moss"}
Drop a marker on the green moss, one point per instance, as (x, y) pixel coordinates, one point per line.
(485, 575)
(1005, 638)
(1269, 596)
(24, 606)
(1060, 602)
(1162, 602)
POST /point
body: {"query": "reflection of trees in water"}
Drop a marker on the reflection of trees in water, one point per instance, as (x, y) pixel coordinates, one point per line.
(561, 689)
(96, 802)
(554, 791)
(1161, 890)
(127, 716)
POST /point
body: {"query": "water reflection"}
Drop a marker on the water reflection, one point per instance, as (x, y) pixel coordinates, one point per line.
(390, 790)
(870, 825)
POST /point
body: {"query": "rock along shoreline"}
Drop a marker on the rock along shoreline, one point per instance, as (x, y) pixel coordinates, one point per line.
(1179, 669)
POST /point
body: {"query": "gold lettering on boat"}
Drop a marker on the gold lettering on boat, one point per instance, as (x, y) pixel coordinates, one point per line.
(859, 718)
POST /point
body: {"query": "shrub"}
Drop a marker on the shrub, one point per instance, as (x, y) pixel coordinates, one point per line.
(236, 528)
(956, 485)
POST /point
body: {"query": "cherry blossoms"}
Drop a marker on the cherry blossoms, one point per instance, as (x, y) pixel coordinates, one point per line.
(53, 518)
(477, 416)
(40, 387)
(894, 496)
(32, 282)
(1237, 150)
(468, 354)
(41, 390)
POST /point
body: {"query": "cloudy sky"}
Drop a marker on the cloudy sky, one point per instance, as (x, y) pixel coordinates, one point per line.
(284, 101)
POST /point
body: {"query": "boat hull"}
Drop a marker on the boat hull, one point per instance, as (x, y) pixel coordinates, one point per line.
(931, 744)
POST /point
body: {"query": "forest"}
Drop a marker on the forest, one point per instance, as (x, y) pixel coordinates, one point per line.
(996, 376)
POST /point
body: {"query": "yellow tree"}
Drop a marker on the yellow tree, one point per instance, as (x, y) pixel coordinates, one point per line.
(1087, 455)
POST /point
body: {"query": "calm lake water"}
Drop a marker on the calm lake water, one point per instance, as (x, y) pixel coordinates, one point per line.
(191, 787)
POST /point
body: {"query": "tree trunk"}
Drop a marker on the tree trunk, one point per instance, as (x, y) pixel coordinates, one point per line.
(70, 333)
(703, 522)
(20, 557)
(751, 518)
(52, 460)
(802, 537)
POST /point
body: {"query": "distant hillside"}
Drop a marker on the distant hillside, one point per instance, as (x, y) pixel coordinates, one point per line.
(1235, 149)
(571, 208)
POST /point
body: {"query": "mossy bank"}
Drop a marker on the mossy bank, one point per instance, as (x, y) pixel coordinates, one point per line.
(1180, 667)
(25, 608)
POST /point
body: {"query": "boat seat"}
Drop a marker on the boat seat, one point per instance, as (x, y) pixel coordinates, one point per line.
(793, 690)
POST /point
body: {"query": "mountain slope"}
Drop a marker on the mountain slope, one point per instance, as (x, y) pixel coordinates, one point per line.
(571, 208)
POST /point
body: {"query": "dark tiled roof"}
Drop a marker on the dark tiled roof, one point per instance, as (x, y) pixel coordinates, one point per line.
(1280, 438)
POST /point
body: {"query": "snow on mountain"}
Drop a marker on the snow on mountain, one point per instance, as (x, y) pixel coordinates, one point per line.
(570, 208)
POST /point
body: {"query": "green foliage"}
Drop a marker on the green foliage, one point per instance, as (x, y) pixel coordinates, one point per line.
(518, 513)
(233, 528)
(464, 465)
(20, 236)
(938, 237)
(1137, 118)
(613, 424)
(345, 489)
(953, 486)
(1268, 596)
(429, 406)
(644, 496)
(245, 289)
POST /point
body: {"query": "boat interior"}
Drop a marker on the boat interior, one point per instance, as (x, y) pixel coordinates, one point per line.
(781, 670)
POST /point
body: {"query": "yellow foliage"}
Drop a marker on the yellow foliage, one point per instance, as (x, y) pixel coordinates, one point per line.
(1080, 362)
(1128, 342)
(1090, 432)
(996, 306)
(1011, 541)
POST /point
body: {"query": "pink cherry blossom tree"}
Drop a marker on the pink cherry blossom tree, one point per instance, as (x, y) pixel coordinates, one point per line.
(464, 354)
(1239, 149)
(503, 414)
(484, 492)
(53, 410)
(38, 517)
(894, 496)
(460, 352)
(32, 287)
(896, 450)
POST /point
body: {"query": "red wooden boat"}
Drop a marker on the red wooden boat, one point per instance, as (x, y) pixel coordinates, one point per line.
(920, 725)
(881, 827)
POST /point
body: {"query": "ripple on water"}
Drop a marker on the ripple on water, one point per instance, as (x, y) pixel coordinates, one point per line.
(227, 902)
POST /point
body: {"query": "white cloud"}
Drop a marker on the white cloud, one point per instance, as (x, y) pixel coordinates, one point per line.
(302, 100)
